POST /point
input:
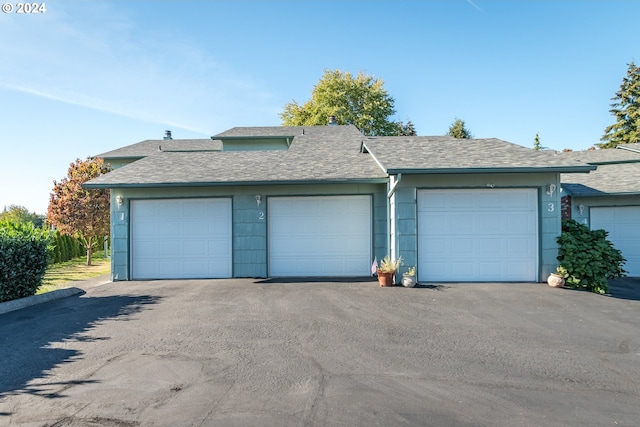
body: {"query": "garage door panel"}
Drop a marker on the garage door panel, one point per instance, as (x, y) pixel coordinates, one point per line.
(181, 238)
(490, 237)
(489, 247)
(488, 268)
(320, 236)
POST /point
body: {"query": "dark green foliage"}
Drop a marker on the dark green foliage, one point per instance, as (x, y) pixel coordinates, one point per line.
(459, 130)
(406, 129)
(24, 256)
(537, 145)
(587, 259)
(65, 248)
(626, 109)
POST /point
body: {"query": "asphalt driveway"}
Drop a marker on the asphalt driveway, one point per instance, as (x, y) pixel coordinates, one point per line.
(248, 352)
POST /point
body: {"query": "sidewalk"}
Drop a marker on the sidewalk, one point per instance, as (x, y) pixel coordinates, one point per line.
(80, 287)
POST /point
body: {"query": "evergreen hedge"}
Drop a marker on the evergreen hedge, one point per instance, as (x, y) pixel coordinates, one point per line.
(24, 256)
(65, 248)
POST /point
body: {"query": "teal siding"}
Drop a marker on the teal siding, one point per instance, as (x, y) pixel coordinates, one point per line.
(599, 201)
(249, 220)
(549, 216)
(380, 223)
(249, 237)
(119, 239)
(407, 226)
(264, 144)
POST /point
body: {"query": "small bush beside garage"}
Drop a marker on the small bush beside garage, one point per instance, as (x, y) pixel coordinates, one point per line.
(24, 256)
(587, 259)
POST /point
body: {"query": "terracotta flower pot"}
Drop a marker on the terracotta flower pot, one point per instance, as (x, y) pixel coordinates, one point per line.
(385, 279)
(555, 280)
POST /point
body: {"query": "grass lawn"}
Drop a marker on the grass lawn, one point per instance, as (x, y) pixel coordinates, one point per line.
(62, 275)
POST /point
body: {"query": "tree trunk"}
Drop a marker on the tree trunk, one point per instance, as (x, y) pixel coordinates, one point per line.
(89, 251)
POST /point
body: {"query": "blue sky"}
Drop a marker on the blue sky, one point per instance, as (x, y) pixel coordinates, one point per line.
(87, 77)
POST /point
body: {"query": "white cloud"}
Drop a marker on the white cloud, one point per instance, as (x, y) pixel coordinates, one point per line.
(472, 3)
(95, 55)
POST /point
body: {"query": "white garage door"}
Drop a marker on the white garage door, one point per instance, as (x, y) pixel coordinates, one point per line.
(623, 225)
(181, 238)
(320, 236)
(478, 235)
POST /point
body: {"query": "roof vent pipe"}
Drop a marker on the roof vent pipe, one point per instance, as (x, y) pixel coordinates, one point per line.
(167, 134)
(333, 121)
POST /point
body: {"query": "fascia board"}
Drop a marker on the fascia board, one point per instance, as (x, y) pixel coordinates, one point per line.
(556, 169)
(366, 149)
(235, 183)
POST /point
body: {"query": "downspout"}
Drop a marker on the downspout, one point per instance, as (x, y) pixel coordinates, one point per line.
(391, 215)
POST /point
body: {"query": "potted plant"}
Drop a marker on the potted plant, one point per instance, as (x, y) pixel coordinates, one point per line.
(409, 278)
(556, 280)
(387, 270)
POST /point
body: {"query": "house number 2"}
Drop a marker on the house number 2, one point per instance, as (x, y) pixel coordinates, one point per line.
(261, 215)
(551, 207)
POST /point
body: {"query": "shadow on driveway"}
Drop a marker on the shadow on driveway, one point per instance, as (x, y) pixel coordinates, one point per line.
(625, 288)
(29, 348)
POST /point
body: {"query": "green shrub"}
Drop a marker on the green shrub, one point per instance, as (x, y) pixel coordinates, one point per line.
(587, 259)
(24, 256)
(65, 248)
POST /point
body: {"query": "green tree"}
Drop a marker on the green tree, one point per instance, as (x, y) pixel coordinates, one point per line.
(77, 211)
(406, 129)
(536, 143)
(21, 215)
(358, 100)
(458, 130)
(626, 110)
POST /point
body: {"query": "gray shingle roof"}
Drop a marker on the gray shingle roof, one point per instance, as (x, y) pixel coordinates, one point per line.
(323, 154)
(608, 179)
(151, 147)
(443, 153)
(609, 155)
(617, 173)
(632, 147)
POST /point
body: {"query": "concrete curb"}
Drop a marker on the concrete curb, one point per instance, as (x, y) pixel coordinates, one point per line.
(17, 304)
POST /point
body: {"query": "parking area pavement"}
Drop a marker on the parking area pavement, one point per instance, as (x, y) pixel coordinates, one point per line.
(246, 352)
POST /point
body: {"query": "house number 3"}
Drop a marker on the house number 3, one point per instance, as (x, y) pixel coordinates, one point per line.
(551, 207)
(261, 215)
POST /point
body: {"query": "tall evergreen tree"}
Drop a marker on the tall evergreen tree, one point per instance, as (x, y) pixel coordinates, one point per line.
(626, 109)
(406, 129)
(536, 143)
(459, 130)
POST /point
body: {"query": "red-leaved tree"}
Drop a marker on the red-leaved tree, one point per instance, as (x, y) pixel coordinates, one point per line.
(77, 211)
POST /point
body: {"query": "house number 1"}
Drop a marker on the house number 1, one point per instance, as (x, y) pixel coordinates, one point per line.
(551, 207)
(261, 215)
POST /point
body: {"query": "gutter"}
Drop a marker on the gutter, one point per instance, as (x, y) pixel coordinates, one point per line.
(234, 183)
(558, 169)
